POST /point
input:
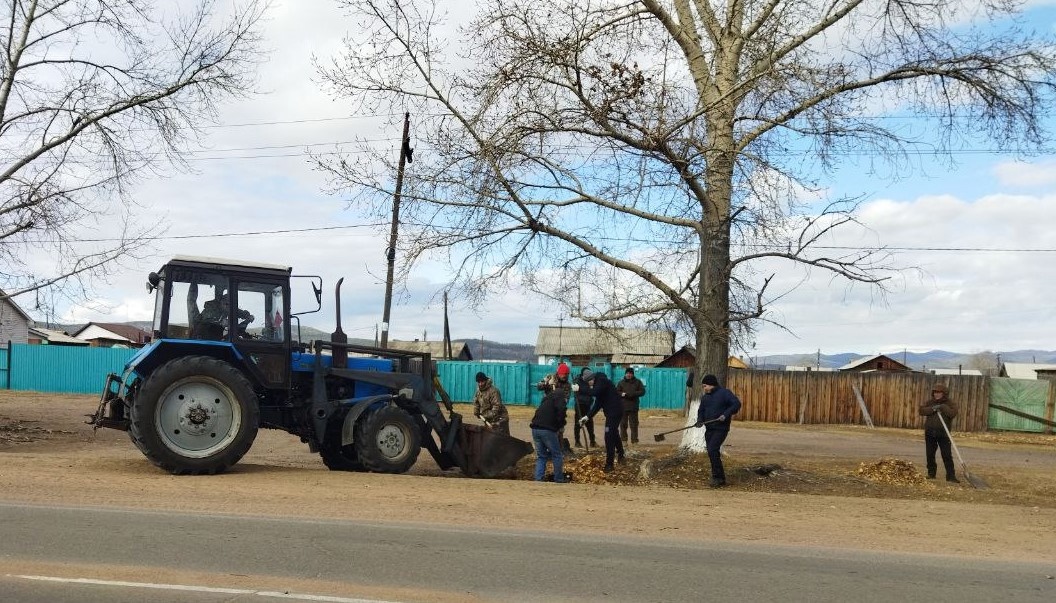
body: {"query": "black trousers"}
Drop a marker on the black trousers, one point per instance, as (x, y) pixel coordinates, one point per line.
(933, 440)
(630, 419)
(713, 439)
(613, 445)
(581, 411)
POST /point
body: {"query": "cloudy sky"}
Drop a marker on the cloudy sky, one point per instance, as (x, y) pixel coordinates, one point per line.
(981, 233)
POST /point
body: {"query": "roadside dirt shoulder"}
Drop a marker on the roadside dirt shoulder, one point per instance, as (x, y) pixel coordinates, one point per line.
(58, 461)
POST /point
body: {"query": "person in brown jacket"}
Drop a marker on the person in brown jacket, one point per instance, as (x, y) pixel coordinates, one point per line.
(488, 406)
(934, 434)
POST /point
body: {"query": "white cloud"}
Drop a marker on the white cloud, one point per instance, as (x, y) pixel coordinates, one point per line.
(1021, 174)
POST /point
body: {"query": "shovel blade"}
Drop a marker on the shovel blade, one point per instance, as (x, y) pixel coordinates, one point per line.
(658, 437)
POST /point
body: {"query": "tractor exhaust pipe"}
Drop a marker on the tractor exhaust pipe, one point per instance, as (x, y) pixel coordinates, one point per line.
(338, 337)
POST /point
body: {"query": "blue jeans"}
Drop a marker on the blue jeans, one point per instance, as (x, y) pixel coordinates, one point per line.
(548, 448)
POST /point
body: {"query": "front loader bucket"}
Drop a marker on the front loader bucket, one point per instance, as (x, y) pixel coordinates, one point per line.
(488, 453)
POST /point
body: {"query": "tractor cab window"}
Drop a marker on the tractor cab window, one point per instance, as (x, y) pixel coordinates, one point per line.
(261, 311)
(199, 307)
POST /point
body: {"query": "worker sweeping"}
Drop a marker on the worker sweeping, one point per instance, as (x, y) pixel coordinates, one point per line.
(716, 410)
(934, 434)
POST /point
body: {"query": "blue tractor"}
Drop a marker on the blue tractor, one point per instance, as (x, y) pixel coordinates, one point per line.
(223, 364)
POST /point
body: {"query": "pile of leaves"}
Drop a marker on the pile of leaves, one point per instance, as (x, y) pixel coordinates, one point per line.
(891, 471)
(585, 469)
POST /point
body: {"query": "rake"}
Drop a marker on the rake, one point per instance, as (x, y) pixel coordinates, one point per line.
(976, 482)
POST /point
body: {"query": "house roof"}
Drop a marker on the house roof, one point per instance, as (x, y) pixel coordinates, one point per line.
(1024, 370)
(552, 341)
(691, 351)
(953, 371)
(11, 302)
(121, 332)
(434, 348)
(54, 336)
(856, 363)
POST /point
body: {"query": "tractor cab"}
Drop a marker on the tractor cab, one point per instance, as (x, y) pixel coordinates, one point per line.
(243, 307)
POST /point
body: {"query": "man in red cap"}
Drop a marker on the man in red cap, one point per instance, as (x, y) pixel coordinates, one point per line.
(558, 382)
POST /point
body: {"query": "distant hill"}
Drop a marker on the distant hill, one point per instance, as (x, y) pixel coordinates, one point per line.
(917, 360)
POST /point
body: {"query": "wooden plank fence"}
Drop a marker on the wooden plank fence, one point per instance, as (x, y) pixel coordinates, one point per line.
(892, 399)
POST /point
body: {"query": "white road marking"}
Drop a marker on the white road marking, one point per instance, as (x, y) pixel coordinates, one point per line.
(200, 589)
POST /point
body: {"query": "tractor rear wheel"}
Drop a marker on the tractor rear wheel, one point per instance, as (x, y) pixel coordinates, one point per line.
(388, 440)
(194, 415)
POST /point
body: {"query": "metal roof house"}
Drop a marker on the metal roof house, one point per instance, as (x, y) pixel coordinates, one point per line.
(686, 357)
(1023, 370)
(879, 363)
(14, 322)
(41, 336)
(459, 349)
(590, 346)
(113, 335)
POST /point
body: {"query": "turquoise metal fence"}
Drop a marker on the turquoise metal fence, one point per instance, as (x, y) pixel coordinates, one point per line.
(63, 369)
(664, 388)
(5, 374)
(80, 370)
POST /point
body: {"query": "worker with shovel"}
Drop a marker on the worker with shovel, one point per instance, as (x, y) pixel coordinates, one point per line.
(488, 406)
(716, 410)
(938, 409)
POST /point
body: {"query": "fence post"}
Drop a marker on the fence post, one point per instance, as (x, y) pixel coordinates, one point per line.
(1050, 406)
(10, 352)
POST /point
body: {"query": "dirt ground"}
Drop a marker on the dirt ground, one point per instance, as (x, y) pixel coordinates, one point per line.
(823, 486)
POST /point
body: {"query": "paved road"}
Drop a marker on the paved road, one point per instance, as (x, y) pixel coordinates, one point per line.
(457, 564)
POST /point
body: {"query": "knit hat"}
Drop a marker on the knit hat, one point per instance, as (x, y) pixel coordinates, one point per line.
(629, 371)
(562, 370)
(587, 374)
(940, 387)
(481, 377)
(710, 380)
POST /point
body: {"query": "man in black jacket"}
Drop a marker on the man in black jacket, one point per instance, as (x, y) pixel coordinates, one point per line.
(547, 423)
(717, 407)
(608, 400)
(631, 390)
(584, 396)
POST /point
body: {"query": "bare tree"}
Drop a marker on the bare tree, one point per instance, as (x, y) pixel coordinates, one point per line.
(654, 160)
(94, 93)
(985, 362)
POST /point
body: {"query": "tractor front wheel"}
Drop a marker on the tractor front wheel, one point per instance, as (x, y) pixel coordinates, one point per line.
(388, 440)
(194, 415)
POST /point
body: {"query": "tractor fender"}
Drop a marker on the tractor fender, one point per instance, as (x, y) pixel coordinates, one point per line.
(356, 409)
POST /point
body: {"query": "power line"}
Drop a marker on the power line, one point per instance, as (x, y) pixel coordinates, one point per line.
(221, 235)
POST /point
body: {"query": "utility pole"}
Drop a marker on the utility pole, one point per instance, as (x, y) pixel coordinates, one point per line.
(560, 332)
(390, 253)
(447, 332)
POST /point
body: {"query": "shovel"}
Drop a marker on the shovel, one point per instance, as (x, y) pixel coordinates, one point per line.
(976, 482)
(660, 436)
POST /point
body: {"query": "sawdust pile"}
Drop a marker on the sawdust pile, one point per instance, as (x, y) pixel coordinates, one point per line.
(892, 471)
(14, 431)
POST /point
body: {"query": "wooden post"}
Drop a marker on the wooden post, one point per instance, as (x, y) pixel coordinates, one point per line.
(1050, 406)
(861, 404)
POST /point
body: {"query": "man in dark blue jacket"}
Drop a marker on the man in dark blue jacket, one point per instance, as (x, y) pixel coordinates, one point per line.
(607, 399)
(717, 407)
(546, 426)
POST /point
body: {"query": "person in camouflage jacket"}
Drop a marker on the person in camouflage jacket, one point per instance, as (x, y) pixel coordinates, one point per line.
(487, 405)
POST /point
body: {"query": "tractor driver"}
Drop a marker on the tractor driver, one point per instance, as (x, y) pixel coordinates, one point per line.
(213, 319)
